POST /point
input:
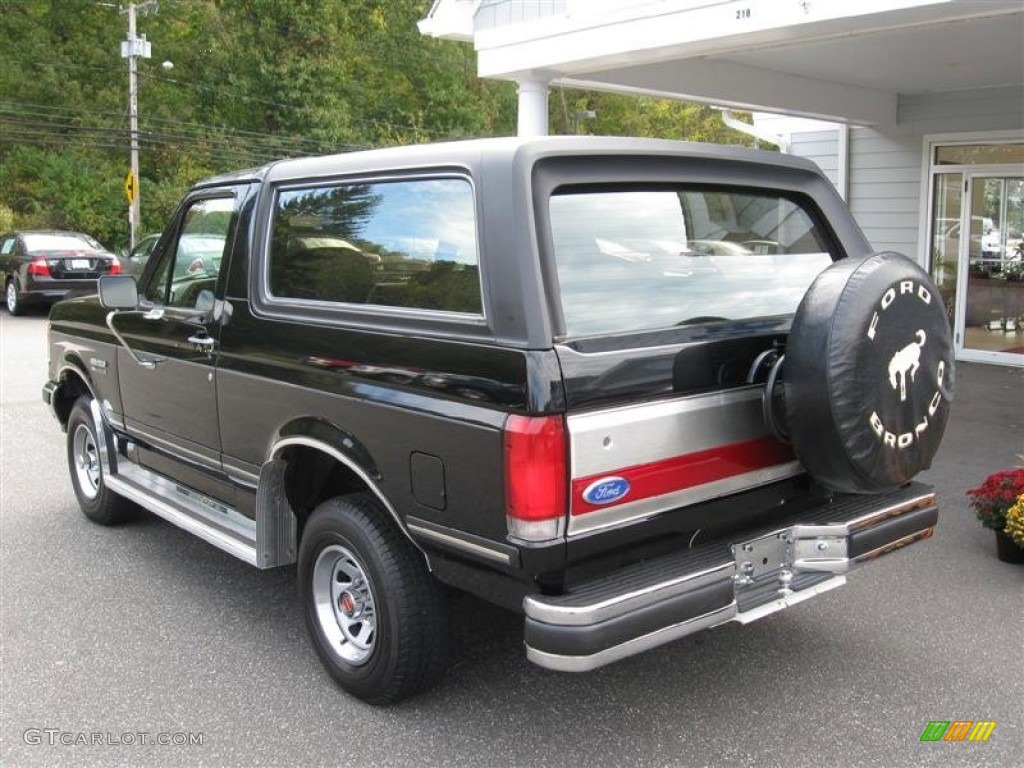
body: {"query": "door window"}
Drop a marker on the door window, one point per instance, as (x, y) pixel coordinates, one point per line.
(186, 275)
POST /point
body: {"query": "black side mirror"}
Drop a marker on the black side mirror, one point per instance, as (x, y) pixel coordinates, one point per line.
(118, 292)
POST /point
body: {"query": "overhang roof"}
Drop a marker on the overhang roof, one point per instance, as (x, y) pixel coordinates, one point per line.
(829, 59)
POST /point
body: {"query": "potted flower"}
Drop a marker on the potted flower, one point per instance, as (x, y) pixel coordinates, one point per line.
(1013, 271)
(1015, 523)
(992, 501)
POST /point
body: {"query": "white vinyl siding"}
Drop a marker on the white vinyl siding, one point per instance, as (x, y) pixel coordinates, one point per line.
(821, 147)
(885, 170)
(885, 186)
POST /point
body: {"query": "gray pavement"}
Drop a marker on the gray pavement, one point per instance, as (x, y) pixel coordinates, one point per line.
(143, 629)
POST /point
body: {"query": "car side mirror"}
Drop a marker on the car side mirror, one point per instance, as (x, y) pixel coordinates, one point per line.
(118, 292)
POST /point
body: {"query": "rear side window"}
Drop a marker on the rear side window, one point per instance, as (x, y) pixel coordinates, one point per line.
(393, 244)
(647, 259)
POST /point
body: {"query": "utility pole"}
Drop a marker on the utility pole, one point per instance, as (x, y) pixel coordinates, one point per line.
(131, 49)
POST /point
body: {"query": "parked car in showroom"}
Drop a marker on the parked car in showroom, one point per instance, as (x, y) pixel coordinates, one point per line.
(43, 266)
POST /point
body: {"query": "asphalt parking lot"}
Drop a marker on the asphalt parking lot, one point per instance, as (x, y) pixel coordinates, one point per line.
(143, 631)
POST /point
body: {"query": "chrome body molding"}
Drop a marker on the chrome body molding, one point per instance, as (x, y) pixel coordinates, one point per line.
(204, 457)
(241, 473)
(460, 542)
(656, 601)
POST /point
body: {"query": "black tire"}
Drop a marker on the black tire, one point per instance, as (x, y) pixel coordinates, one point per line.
(868, 376)
(98, 502)
(354, 563)
(11, 300)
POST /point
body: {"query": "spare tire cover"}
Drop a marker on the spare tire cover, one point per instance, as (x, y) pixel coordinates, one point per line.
(868, 377)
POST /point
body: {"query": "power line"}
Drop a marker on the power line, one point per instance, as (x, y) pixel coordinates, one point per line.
(428, 133)
(59, 126)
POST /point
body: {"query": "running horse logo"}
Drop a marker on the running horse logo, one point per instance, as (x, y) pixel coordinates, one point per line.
(907, 360)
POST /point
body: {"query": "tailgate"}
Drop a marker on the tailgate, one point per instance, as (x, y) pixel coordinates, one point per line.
(632, 462)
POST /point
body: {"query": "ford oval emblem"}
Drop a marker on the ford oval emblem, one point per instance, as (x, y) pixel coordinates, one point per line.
(606, 490)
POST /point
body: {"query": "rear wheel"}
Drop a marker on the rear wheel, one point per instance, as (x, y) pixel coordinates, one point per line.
(14, 305)
(374, 613)
(98, 503)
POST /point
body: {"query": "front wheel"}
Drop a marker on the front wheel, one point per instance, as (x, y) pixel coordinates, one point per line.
(98, 503)
(374, 613)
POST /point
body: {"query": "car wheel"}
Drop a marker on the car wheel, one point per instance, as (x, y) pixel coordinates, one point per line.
(374, 613)
(867, 378)
(14, 305)
(98, 502)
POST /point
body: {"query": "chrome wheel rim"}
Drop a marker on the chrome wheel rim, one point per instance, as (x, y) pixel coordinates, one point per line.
(87, 461)
(12, 297)
(344, 604)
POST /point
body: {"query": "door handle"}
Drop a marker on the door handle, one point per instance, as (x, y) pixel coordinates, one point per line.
(203, 343)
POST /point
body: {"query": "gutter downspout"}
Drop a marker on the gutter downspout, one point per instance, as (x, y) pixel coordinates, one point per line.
(752, 130)
(843, 162)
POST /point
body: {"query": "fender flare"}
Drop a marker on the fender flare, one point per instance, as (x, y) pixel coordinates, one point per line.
(341, 446)
(71, 365)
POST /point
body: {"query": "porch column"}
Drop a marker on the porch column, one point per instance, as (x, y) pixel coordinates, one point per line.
(533, 108)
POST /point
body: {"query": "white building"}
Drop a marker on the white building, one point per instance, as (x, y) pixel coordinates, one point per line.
(924, 103)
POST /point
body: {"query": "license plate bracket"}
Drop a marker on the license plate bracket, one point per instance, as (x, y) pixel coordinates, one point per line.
(760, 557)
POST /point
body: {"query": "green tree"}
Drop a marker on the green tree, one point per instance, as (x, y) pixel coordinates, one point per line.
(252, 81)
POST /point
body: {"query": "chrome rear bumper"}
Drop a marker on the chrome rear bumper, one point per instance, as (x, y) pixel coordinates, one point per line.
(648, 604)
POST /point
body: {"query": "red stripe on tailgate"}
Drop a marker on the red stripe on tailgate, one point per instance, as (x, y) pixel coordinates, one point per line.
(688, 471)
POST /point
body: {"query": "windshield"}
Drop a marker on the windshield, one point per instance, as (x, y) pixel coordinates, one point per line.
(647, 259)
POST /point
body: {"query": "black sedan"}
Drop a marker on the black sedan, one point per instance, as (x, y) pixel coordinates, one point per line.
(41, 267)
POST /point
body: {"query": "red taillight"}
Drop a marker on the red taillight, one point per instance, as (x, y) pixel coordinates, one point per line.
(115, 266)
(39, 268)
(535, 476)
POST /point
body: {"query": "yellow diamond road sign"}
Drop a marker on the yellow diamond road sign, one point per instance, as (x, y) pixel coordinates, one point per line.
(131, 187)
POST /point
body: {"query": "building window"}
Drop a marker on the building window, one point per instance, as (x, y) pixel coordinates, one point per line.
(979, 154)
(976, 245)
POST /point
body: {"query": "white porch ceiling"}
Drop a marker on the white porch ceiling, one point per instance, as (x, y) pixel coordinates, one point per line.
(851, 69)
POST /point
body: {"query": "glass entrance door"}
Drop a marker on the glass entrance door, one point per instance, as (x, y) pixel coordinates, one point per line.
(990, 315)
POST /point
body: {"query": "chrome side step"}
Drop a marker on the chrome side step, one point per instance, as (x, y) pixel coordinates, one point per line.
(212, 522)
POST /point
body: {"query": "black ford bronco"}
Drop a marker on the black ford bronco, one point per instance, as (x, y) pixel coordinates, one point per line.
(632, 389)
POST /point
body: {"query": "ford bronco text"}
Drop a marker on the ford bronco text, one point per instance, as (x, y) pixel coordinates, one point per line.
(632, 389)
